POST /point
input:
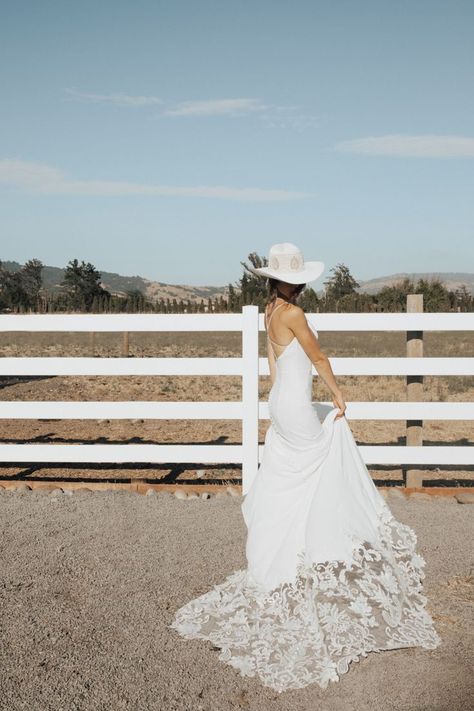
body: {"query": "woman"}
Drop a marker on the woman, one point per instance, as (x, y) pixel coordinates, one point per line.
(331, 574)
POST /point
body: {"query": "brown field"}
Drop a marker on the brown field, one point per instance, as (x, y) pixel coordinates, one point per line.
(212, 388)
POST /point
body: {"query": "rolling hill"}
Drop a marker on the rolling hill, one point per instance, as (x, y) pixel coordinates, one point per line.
(155, 290)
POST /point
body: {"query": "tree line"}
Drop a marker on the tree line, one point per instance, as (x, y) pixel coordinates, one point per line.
(81, 291)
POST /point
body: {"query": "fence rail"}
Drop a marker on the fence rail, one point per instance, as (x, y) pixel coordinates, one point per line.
(249, 366)
(225, 366)
(233, 322)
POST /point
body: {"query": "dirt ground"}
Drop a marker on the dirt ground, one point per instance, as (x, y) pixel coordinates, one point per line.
(90, 582)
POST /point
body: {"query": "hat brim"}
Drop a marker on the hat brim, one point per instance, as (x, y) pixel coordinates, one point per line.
(311, 271)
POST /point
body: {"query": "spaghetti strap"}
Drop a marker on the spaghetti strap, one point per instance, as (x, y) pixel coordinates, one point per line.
(282, 345)
(276, 307)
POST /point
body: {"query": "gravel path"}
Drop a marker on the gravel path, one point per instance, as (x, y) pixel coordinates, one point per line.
(89, 583)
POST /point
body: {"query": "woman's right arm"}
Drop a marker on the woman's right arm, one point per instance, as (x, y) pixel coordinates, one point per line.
(297, 322)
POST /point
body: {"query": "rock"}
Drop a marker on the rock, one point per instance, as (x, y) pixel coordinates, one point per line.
(22, 487)
(205, 495)
(180, 494)
(55, 493)
(200, 473)
(193, 495)
(465, 497)
(420, 496)
(68, 492)
(150, 492)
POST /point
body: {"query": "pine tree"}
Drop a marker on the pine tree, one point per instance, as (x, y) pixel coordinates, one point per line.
(341, 283)
(81, 283)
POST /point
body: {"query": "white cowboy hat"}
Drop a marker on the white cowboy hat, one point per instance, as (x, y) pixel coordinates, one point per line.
(286, 263)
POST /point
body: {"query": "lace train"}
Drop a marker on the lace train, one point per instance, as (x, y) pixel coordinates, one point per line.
(310, 630)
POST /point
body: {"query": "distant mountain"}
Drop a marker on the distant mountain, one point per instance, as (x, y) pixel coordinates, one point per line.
(452, 280)
(155, 290)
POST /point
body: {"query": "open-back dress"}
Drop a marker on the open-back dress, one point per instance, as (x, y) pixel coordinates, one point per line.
(331, 575)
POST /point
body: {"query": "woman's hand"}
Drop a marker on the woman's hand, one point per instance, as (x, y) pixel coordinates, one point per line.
(338, 401)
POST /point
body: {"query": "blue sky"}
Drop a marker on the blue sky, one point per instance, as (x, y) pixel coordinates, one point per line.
(171, 139)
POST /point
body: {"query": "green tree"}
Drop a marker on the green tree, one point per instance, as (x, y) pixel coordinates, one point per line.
(81, 283)
(462, 299)
(394, 297)
(356, 303)
(341, 283)
(309, 300)
(233, 299)
(32, 281)
(435, 294)
(20, 290)
(253, 289)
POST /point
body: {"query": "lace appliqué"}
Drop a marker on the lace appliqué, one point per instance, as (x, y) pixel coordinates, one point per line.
(310, 630)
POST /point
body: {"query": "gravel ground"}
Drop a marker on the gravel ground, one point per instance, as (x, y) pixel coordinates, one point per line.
(89, 584)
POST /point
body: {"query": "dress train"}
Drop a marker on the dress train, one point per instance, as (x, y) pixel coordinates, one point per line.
(331, 575)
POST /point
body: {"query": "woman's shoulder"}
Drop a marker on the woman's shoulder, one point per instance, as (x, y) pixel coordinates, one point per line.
(294, 308)
(295, 317)
(295, 311)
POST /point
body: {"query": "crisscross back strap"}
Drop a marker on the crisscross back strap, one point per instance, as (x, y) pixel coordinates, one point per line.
(282, 345)
(273, 311)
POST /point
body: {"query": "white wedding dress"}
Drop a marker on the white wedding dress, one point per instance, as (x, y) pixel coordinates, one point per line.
(331, 574)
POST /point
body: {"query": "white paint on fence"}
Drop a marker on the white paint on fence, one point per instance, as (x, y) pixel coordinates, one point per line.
(226, 366)
(226, 454)
(233, 322)
(201, 410)
(249, 367)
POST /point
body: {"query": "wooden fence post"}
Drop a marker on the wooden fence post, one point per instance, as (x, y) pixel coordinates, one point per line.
(250, 395)
(125, 344)
(414, 428)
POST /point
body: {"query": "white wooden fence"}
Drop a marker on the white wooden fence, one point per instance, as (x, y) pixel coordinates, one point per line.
(249, 366)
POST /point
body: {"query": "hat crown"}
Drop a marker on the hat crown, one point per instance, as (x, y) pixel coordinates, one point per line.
(286, 257)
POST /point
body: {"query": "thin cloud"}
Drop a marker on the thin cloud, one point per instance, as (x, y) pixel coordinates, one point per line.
(216, 107)
(289, 117)
(115, 99)
(47, 180)
(272, 115)
(422, 146)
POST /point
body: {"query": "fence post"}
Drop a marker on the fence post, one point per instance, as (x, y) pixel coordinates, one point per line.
(125, 344)
(250, 395)
(414, 428)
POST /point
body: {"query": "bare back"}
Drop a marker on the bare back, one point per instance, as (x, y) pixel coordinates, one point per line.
(279, 335)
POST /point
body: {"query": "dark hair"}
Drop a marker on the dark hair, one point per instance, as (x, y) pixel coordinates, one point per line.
(273, 287)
